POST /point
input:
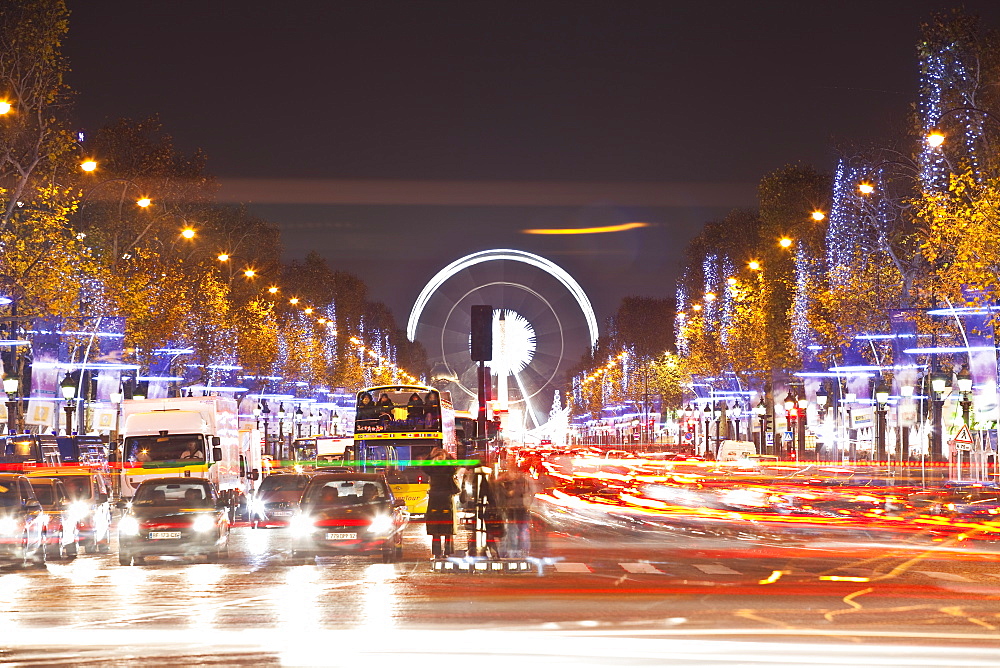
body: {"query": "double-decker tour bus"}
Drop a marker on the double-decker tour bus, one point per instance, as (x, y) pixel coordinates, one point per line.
(395, 428)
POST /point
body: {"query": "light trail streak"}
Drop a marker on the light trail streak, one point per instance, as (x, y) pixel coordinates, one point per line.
(624, 227)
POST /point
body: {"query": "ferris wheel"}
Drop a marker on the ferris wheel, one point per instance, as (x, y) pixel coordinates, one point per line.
(543, 323)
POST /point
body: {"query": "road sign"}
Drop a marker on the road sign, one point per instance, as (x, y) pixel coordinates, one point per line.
(964, 436)
(787, 437)
(769, 438)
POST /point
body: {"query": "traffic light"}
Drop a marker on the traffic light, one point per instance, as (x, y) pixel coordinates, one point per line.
(481, 339)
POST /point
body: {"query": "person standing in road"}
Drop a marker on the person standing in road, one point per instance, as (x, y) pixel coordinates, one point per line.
(516, 492)
(441, 518)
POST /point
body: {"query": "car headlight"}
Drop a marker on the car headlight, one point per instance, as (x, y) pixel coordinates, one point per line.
(301, 525)
(203, 523)
(78, 510)
(128, 526)
(8, 526)
(381, 525)
(257, 508)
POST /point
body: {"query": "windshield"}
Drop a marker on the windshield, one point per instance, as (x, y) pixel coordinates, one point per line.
(45, 492)
(194, 494)
(345, 492)
(8, 496)
(402, 411)
(284, 483)
(170, 447)
(77, 486)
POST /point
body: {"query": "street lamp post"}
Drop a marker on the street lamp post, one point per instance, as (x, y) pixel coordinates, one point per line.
(761, 412)
(803, 404)
(707, 414)
(789, 404)
(266, 413)
(737, 413)
(852, 446)
(68, 389)
(281, 430)
(964, 380)
(11, 383)
(881, 401)
(821, 399)
(939, 381)
(297, 418)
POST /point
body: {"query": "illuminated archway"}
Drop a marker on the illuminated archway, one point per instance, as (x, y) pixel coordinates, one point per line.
(549, 267)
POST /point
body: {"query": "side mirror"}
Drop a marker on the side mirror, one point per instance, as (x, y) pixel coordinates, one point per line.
(243, 467)
(216, 441)
(255, 474)
(102, 498)
(221, 504)
(122, 504)
(32, 504)
(216, 452)
(399, 502)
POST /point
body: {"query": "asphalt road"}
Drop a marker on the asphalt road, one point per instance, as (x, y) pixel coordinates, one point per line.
(602, 599)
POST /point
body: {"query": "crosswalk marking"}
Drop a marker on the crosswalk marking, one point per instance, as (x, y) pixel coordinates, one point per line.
(715, 569)
(941, 575)
(641, 568)
(570, 567)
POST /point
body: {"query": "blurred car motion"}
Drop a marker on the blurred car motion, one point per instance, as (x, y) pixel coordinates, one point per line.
(91, 506)
(61, 532)
(175, 517)
(353, 513)
(277, 499)
(22, 523)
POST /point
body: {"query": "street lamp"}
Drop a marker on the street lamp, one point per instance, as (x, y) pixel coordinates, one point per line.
(964, 379)
(737, 413)
(761, 412)
(881, 399)
(849, 399)
(11, 383)
(297, 418)
(266, 413)
(281, 430)
(68, 389)
(939, 381)
(257, 410)
(803, 404)
(821, 400)
(789, 404)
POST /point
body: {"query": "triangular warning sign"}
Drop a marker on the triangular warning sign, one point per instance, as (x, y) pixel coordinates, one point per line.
(963, 435)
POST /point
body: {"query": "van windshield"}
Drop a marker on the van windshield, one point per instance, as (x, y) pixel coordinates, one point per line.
(170, 447)
(77, 486)
(8, 496)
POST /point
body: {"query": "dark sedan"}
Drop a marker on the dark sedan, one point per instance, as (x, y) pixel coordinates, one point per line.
(346, 513)
(173, 516)
(277, 499)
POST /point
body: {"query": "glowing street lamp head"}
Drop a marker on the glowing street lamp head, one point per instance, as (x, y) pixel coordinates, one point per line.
(88, 165)
(866, 188)
(187, 233)
(143, 202)
(731, 282)
(818, 215)
(785, 242)
(935, 139)
(273, 290)
(696, 307)
(249, 273)
(308, 311)
(293, 301)
(710, 296)
(4, 107)
(753, 265)
(223, 257)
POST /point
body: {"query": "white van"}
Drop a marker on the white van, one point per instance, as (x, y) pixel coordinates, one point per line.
(734, 451)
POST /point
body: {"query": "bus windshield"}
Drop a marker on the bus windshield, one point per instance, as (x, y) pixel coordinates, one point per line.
(165, 448)
(398, 410)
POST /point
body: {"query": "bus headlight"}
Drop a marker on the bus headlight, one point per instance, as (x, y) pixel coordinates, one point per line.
(301, 525)
(203, 523)
(128, 526)
(381, 525)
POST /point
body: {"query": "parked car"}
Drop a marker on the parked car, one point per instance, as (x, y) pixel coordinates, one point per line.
(277, 499)
(91, 505)
(349, 513)
(173, 516)
(22, 522)
(61, 533)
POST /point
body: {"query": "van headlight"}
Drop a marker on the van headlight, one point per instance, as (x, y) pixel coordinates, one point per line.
(203, 523)
(301, 525)
(78, 510)
(128, 526)
(381, 525)
(257, 508)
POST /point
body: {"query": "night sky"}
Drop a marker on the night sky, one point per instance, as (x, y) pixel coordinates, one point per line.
(514, 114)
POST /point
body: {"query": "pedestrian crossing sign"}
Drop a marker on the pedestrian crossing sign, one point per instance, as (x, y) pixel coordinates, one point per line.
(963, 437)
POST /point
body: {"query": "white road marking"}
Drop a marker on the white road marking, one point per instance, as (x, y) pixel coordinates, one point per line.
(570, 567)
(716, 569)
(941, 575)
(641, 568)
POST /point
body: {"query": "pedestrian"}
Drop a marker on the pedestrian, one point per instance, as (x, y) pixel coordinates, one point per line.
(441, 518)
(515, 491)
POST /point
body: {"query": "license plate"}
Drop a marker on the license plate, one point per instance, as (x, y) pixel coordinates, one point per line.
(341, 536)
(282, 513)
(157, 535)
